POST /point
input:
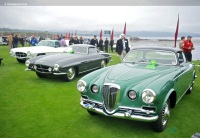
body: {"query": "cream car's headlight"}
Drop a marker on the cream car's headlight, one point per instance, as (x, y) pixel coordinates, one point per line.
(148, 96)
(81, 86)
(56, 67)
(27, 63)
(28, 53)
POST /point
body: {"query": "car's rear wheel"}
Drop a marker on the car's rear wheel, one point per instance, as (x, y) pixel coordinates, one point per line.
(103, 64)
(40, 75)
(21, 60)
(91, 113)
(161, 123)
(70, 74)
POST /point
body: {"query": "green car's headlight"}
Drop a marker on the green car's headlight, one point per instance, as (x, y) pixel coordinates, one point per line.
(94, 88)
(148, 96)
(81, 86)
(56, 67)
(27, 63)
(132, 95)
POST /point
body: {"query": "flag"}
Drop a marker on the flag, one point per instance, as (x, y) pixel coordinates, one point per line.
(69, 35)
(176, 33)
(101, 34)
(112, 35)
(124, 29)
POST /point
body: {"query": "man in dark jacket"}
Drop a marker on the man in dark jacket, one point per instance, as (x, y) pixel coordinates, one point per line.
(122, 46)
(94, 41)
(111, 44)
(106, 44)
(15, 41)
(100, 45)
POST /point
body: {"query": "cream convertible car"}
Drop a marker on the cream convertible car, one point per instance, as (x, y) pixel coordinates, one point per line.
(44, 47)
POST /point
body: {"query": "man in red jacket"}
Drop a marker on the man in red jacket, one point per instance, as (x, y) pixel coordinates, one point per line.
(187, 48)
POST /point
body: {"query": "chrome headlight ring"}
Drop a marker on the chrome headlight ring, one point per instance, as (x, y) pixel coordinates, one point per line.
(94, 89)
(56, 67)
(28, 53)
(27, 63)
(132, 95)
(81, 86)
(148, 96)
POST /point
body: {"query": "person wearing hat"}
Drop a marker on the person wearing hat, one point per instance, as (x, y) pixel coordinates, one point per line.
(187, 48)
(122, 46)
(94, 41)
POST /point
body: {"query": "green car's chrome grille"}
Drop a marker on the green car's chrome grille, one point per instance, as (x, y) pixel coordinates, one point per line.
(111, 94)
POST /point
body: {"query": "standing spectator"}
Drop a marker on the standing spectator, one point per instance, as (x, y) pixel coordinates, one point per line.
(94, 41)
(63, 42)
(76, 41)
(21, 41)
(122, 46)
(106, 45)
(15, 41)
(111, 44)
(10, 40)
(100, 44)
(181, 42)
(81, 40)
(71, 41)
(33, 41)
(187, 48)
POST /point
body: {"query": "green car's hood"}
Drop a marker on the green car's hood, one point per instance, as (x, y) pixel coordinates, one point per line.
(136, 72)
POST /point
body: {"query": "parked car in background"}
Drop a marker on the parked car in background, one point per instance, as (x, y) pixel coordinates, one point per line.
(3, 40)
(44, 47)
(80, 59)
(144, 87)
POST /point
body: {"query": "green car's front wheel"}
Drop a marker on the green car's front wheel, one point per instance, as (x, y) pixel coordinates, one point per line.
(161, 123)
(70, 74)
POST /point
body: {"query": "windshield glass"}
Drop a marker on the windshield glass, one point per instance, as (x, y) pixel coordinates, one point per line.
(46, 43)
(147, 55)
(79, 49)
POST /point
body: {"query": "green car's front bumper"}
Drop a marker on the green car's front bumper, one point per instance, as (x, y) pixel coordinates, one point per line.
(122, 112)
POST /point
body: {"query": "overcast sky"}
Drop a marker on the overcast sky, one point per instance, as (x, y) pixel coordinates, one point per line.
(95, 18)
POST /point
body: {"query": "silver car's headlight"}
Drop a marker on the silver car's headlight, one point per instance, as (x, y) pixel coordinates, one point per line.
(81, 86)
(148, 96)
(56, 67)
(28, 53)
(132, 95)
(27, 63)
(94, 88)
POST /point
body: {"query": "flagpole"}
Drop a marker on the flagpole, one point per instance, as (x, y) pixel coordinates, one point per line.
(176, 33)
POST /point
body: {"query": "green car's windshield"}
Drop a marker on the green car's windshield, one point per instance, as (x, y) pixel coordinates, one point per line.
(147, 55)
(46, 43)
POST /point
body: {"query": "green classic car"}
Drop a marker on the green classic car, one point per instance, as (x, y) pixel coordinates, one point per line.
(144, 87)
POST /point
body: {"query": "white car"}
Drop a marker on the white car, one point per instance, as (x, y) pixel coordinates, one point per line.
(44, 47)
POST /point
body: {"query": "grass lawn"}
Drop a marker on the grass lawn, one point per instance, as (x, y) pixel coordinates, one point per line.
(42, 108)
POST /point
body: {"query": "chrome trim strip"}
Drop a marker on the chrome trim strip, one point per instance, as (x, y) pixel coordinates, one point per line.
(62, 73)
(138, 109)
(112, 84)
(89, 70)
(183, 72)
(183, 94)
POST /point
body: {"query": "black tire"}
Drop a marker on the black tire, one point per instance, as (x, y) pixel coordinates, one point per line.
(103, 64)
(21, 60)
(91, 113)
(161, 123)
(70, 74)
(40, 75)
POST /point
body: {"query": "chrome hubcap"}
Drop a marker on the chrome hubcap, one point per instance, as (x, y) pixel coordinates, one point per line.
(71, 73)
(165, 114)
(103, 64)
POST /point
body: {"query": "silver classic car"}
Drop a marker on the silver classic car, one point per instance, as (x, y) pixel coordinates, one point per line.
(80, 59)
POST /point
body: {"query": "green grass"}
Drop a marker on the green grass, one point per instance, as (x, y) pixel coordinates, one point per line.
(41, 108)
